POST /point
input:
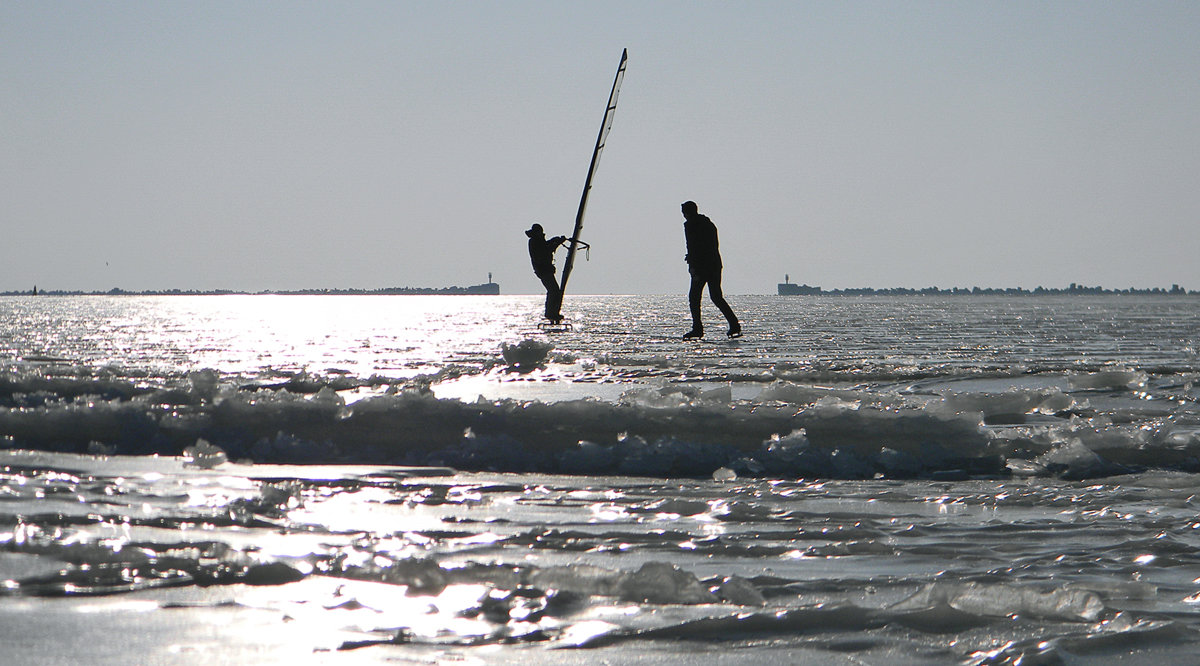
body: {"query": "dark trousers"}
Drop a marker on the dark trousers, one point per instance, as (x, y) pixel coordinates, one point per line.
(554, 295)
(712, 279)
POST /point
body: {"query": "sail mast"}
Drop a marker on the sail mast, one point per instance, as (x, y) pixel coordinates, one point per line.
(605, 125)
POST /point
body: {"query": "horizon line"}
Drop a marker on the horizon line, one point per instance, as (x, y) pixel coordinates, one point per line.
(1072, 289)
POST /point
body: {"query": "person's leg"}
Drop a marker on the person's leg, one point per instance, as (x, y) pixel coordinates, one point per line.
(553, 296)
(694, 294)
(718, 298)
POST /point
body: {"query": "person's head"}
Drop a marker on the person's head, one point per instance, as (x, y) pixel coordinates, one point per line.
(536, 231)
(688, 208)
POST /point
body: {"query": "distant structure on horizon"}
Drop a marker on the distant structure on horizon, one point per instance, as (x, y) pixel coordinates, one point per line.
(488, 288)
(786, 288)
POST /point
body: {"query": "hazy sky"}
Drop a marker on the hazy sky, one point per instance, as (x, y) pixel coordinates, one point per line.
(288, 145)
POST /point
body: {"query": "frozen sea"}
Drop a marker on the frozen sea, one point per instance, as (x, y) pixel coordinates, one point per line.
(424, 479)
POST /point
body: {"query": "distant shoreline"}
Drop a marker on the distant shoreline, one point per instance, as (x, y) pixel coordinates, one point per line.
(490, 290)
(486, 289)
(1073, 290)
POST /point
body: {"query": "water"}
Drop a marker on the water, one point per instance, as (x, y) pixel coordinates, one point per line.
(361, 479)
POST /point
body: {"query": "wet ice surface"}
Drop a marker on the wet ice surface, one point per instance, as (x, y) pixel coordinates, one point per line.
(388, 561)
(921, 480)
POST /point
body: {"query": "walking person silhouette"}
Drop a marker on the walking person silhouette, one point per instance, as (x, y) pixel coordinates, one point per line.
(541, 255)
(704, 264)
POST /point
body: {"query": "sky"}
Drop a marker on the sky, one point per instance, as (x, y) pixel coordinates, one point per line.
(294, 145)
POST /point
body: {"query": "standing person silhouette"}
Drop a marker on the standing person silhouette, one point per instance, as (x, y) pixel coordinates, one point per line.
(704, 264)
(541, 255)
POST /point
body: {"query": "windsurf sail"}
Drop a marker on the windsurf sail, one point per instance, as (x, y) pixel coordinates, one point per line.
(574, 243)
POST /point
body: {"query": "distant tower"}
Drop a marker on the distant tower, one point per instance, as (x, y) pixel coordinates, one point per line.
(35, 290)
(489, 277)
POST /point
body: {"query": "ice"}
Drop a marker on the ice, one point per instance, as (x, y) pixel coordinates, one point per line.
(1004, 600)
(527, 354)
(205, 455)
(665, 430)
(665, 396)
(205, 383)
(934, 479)
(523, 560)
(1109, 379)
(738, 590)
(1072, 460)
(663, 583)
(680, 424)
(589, 458)
(1012, 403)
(800, 394)
(724, 474)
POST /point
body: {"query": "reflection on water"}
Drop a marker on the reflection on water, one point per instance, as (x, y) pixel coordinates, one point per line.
(972, 480)
(358, 335)
(376, 559)
(404, 335)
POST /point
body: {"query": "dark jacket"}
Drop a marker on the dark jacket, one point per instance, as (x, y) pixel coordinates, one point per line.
(702, 251)
(541, 253)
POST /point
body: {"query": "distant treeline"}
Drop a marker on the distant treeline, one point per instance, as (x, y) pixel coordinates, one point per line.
(490, 288)
(1073, 290)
